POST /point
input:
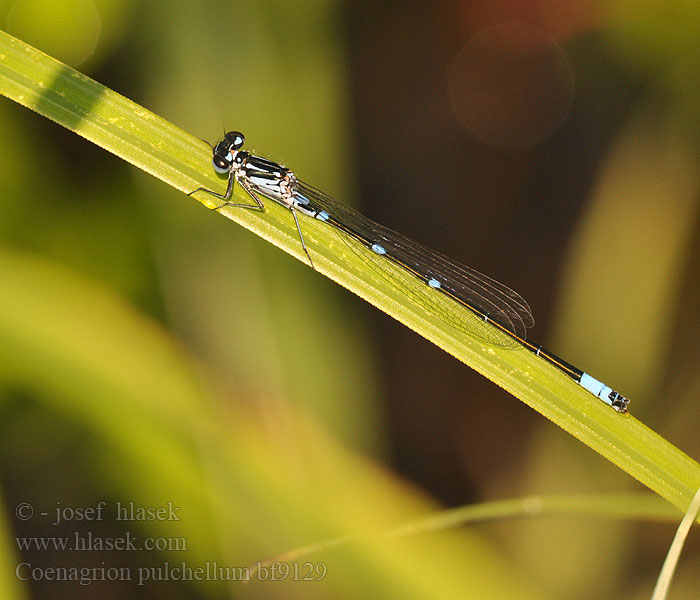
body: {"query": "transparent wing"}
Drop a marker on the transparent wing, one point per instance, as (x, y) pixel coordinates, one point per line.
(457, 294)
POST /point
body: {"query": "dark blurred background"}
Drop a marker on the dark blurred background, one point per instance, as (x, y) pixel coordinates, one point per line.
(551, 146)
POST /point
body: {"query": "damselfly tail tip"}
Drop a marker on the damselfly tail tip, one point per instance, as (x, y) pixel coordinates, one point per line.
(618, 402)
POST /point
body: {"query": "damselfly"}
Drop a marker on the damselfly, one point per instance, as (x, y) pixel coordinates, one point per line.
(446, 289)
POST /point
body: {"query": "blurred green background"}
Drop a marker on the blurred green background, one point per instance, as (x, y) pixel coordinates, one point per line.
(153, 352)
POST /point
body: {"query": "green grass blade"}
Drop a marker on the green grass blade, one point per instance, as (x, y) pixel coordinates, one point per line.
(668, 570)
(181, 160)
(626, 506)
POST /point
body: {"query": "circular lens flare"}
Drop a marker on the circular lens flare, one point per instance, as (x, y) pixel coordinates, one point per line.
(511, 85)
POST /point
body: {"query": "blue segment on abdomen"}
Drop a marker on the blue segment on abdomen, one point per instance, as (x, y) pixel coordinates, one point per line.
(595, 387)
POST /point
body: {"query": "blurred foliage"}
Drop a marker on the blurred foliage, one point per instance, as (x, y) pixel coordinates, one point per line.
(138, 366)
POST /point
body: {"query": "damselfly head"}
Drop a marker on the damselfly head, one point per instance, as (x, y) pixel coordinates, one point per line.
(224, 153)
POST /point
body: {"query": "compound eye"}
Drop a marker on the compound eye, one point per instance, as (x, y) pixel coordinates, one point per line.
(235, 140)
(221, 165)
